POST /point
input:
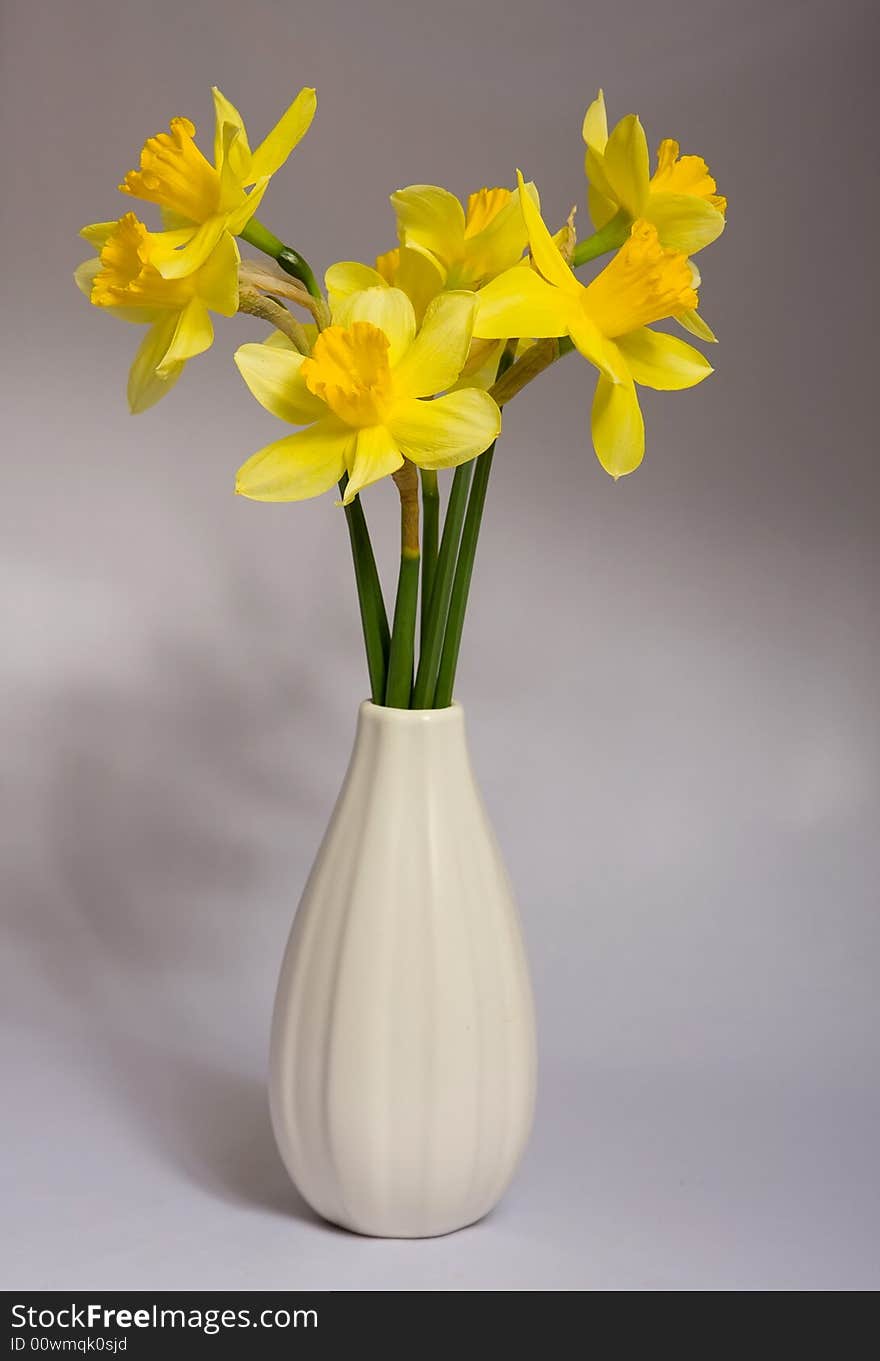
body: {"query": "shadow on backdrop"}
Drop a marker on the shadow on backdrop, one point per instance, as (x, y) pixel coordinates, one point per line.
(168, 794)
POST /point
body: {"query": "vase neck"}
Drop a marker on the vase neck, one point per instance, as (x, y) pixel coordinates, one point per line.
(414, 735)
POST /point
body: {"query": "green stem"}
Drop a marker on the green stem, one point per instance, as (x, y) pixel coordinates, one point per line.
(372, 606)
(462, 581)
(289, 259)
(432, 642)
(464, 568)
(430, 540)
(609, 237)
(403, 634)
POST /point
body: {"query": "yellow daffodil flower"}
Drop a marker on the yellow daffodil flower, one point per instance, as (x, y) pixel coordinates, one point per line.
(468, 245)
(125, 279)
(608, 321)
(443, 246)
(203, 200)
(359, 397)
(415, 274)
(680, 198)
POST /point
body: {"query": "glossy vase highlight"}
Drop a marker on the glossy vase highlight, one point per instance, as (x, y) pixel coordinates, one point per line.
(402, 1068)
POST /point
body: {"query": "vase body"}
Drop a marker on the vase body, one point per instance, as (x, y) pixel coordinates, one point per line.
(402, 1066)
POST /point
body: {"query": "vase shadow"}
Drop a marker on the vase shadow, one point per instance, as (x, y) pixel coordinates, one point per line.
(212, 1125)
(137, 896)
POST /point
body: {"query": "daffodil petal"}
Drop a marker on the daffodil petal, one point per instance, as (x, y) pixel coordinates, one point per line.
(146, 385)
(234, 164)
(693, 322)
(448, 431)
(299, 466)
(193, 334)
(618, 427)
(177, 264)
(240, 216)
(520, 303)
(595, 129)
(437, 355)
(277, 340)
(347, 277)
(84, 274)
(387, 308)
(663, 362)
(481, 366)
(626, 164)
(98, 232)
(683, 221)
(544, 251)
(226, 115)
(290, 129)
(375, 455)
(431, 217)
(174, 221)
(420, 275)
(218, 277)
(273, 376)
(233, 161)
(602, 209)
(164, 242)
(597, 175)
(500, 244)
(598, 349)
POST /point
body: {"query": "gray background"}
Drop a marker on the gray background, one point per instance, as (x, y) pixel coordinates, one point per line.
(671, 682)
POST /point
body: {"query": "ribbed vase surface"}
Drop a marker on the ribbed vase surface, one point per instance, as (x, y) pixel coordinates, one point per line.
(402, 1068)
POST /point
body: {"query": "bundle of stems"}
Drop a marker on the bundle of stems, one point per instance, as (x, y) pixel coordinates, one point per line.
(433, 583)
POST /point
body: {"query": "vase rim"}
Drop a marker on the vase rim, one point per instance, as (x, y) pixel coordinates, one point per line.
(402, 718)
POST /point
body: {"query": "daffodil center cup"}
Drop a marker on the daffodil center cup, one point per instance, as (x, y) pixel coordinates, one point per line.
(349, 369)
(677, 174)
(482, 208)
(175, 175)
(128, 276)
(642, 283)
(475, 263)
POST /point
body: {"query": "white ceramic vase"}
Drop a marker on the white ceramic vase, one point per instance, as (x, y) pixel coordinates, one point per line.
(402, 1068)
